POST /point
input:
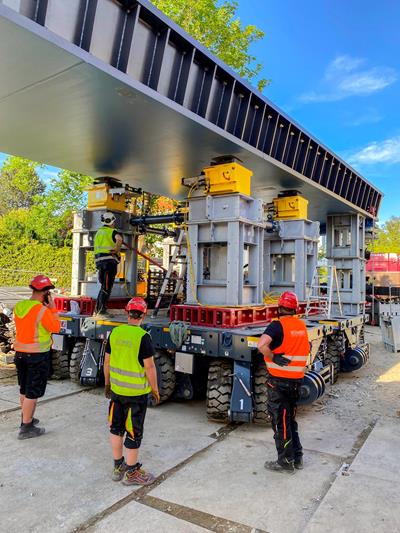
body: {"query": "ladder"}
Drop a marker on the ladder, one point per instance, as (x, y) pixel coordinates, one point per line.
(318, 300)
(168, 276)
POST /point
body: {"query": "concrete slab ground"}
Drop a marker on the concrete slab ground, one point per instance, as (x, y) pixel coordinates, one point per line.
(368, 498)
(9, 394)
(232, 483)
(59, 481)
(319, 432)
(379, 457)
(211, 477)
(358, 504)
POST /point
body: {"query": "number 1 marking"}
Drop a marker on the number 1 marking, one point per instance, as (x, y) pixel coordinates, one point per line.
(241, 403)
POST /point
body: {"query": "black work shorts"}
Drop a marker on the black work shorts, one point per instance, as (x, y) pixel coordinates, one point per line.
(126, 416)
(32, 371)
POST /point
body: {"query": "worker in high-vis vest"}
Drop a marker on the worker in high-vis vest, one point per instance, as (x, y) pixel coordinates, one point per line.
(35, 320)
(107, 247)
(130, 377)
(286, 349)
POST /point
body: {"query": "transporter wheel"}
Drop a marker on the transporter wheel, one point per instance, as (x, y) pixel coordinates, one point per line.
(75, 361)
(260, 414)
(219, 390)
(166, 378)
(332, 356)
(60, 364)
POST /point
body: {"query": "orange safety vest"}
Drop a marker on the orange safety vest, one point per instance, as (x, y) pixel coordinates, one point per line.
(34, 324)
(295, 346)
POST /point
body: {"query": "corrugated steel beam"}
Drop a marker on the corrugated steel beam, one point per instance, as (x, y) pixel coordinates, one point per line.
(137, 39)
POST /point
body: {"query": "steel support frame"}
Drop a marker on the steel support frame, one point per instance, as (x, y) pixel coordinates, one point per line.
(345, 249)
(295, 247)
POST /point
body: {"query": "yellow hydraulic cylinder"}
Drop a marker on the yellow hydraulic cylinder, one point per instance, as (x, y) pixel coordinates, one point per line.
(99, 197)
(289, 207)
(228, 178)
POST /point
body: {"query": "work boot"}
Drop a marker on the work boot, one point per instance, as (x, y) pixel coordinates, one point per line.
(298, 463)
(138, 476)
(29, 431)
(119, 471)
(35, 421)
(276, 466)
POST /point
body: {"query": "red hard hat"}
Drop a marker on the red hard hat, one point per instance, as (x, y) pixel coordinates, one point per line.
(41, 283)
(136, 304)
(288, 300)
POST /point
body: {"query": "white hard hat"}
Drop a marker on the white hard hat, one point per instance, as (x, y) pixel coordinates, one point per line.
(108, 218)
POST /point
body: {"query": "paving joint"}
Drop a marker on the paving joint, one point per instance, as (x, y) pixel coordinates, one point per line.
(196, 517)
(47, 400)
(139, 495)
(362, 437)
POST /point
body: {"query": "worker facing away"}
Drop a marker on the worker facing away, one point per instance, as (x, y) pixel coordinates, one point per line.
(107, 248)
(285, 347)
(130, 376)
(35, 320)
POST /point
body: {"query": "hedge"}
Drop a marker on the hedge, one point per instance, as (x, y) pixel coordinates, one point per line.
(20, 262)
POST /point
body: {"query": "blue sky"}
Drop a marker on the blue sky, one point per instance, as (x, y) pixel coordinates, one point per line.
(335, 68)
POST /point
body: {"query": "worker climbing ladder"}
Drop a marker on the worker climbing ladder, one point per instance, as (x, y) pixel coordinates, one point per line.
(320, 296)
(176, 259)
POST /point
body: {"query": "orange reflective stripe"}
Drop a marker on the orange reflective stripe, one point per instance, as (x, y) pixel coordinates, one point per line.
(284, 424)
(27, 347)
(37, 322)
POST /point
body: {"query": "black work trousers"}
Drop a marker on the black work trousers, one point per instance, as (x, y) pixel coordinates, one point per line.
(282, 399)
(107, 270)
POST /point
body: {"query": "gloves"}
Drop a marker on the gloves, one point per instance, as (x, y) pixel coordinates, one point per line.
(156, 397)
(280, 360)
(107, 391)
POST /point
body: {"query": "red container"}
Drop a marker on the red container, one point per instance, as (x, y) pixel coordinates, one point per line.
(389, 262)
(86, 304)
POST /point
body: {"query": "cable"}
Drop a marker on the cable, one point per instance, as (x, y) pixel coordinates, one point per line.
(179, 332)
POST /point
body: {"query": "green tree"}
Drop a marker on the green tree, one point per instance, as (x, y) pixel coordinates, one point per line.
(388, 237)
(51, 215)
(49, 218)
(19, 184)
(217, 27)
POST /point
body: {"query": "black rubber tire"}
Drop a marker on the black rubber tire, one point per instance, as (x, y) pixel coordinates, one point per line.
(260, 414)
(166, 378)
(219, 390)
(332, 356)
(60, 364)
(75, 361)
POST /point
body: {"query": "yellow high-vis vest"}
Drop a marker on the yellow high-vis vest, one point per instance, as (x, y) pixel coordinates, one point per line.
(103, 241)
(127, 375)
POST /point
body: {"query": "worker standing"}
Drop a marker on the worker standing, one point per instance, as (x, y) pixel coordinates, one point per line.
(35, 320)
(107, 247)
(285, 347)
(130, 376)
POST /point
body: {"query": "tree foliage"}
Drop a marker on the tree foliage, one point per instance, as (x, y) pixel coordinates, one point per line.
(217, 27)
(47, 216)
(388, 237)
(19, 184)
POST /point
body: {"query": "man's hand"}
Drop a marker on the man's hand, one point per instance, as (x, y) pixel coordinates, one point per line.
(49, 302)
(107, 391)
(156, 397)
(279, 359)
